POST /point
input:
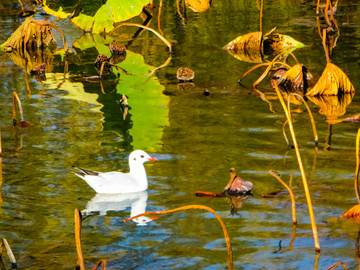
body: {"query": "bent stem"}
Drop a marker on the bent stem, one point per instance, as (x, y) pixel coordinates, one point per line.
(306, 188)
(227, 239)
(78, 239)
(316, 139)
(5, 245)
(147, 28)
(293, 211)
(102, 263)
(262, 65)
(15, 96)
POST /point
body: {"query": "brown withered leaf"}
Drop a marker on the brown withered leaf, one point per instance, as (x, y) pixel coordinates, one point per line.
(296, 79)
(275, 43)
(332, 106)
(333, 81)
(198, 5)
(246, 48)
(38, 36)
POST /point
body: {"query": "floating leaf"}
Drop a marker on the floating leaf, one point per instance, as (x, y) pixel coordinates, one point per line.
(297, 78)
(253, 46)
(198, 5)
(333, 81)
(246, 48)
(332, 106)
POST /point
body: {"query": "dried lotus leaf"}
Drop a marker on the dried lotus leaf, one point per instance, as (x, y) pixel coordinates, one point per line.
(246, 48)
(38, 36)
(198, 5)
(333, 81)
(297, 78)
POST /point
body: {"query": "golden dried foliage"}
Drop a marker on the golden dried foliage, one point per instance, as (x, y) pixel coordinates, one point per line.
(198, 5)
(333, 81)
(32, 32)
(296, 78)
(352, 212)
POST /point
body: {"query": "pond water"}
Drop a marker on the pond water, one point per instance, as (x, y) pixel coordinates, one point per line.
(196, 138)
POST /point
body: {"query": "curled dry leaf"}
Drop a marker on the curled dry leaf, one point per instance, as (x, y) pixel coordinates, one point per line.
(297, 78)
(333, 81)
(198, 5)
(275, 43)
(332, 106)
(38, 36)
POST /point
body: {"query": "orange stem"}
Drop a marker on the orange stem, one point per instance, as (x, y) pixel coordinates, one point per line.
(293, 211)
(20, 107)
(301, 167)
(78, 239)
(227, 238)
(357, 167)
(328, 60)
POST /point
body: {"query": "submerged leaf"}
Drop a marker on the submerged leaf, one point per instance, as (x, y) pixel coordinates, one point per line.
(246, 48)
(333, 81)
(296, 78)
(198, 5)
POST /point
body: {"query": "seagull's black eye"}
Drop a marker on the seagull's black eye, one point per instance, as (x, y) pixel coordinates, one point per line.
(142, 156)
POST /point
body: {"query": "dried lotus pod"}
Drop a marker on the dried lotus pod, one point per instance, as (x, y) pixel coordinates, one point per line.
(185, 74)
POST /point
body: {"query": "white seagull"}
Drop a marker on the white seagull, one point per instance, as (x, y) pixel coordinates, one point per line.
(118, 182)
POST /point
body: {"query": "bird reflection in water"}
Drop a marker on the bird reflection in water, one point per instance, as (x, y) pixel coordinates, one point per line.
(102, 203)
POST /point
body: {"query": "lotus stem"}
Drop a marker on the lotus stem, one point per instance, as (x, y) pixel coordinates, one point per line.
(306, 188)
(261, 14)
(5, 244)
(268, 69)
(284, 133)
(326, 12)
(147, 28)
(0, 155)
(159, 15)
(316, 138)
(337, 264)
(357, 166)
(227, 239)
(328, 60)
(78, 239)
(293, 211)
(317, 7)
(261, 65)
(102, 263)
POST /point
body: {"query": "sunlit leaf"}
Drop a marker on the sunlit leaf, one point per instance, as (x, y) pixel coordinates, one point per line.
(333, 81)
(59, 13)
(104, 17)
(198, 5)
(332, 106)
(297, 78)
(246, 48)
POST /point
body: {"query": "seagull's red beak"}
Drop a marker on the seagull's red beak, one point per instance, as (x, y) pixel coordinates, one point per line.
(153, 159)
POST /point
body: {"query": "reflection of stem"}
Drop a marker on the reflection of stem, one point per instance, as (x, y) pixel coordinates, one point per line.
(306, 188)
(227, 239)
(27, 85)
(147, 28)
(357, 166)
(319, 28)
(284, 133)
(316, 139)
(316, 262)
(314, 164)
(357, 247)
(78, 239)
(263, 97)
(293, 211)
(178, 10)
(328, 138)
(262, 65)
